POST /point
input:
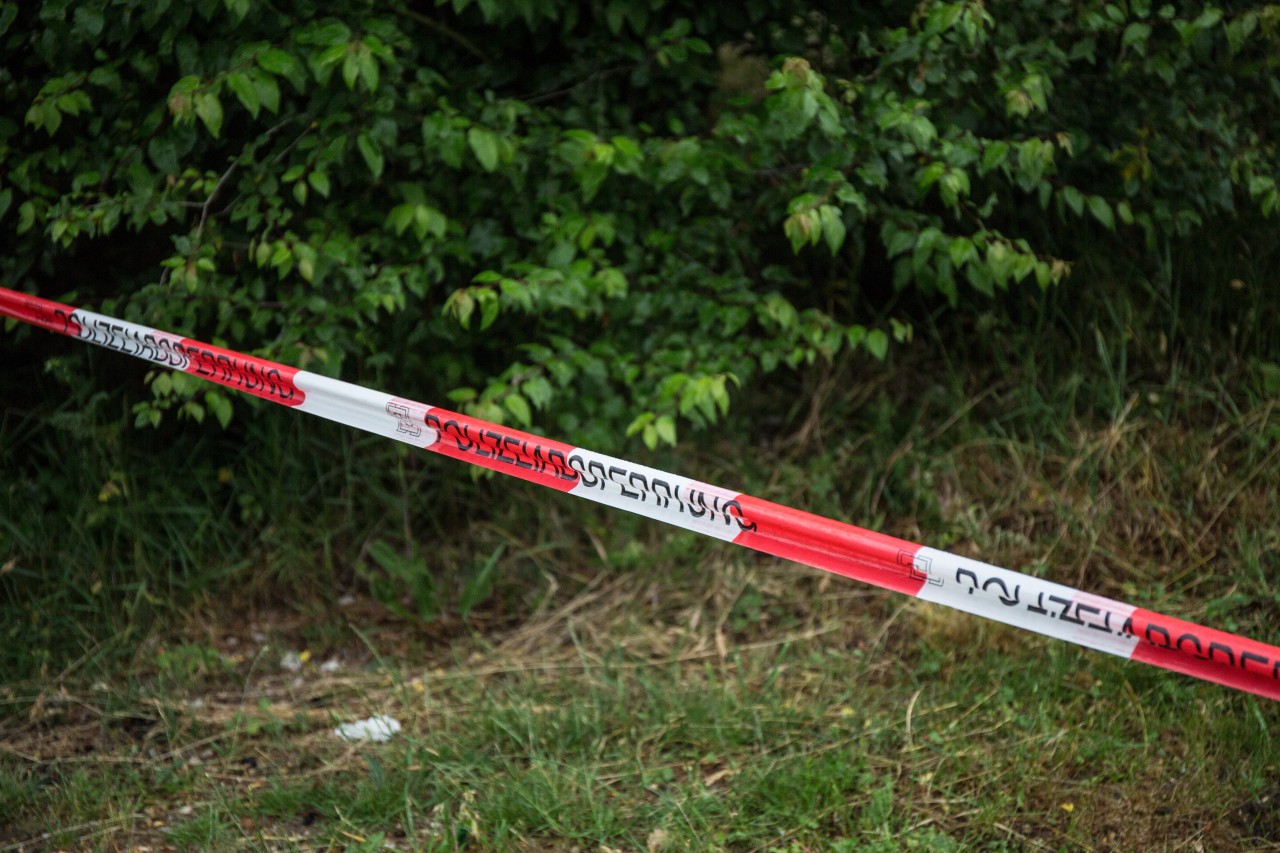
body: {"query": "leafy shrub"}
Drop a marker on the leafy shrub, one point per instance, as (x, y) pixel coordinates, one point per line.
(604, 217)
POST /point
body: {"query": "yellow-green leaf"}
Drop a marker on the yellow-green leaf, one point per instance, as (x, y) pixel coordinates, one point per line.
(484, 144)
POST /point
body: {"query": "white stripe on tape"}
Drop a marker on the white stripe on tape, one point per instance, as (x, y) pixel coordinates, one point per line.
(1025, 601)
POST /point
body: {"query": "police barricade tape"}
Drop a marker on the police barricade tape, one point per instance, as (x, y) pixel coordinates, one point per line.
(927, 573)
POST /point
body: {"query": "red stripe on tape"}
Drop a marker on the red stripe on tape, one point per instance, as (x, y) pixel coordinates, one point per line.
(520, 454)
(257, 376)
(51, 316)
(831, 545)
(1206, 653)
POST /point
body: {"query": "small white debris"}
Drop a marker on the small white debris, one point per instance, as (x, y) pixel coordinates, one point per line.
(346, 601)
(186, 810)
(196, 704)
(291, 662)
(378, 729)
(331, 665)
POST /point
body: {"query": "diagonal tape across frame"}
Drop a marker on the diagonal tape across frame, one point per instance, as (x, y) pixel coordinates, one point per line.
(969, 585)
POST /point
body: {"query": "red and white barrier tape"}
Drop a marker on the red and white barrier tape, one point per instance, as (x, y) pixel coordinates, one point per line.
(969, 585)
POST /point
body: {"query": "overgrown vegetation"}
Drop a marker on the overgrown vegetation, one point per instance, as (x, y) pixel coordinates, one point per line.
(606, 218)
(997, 277)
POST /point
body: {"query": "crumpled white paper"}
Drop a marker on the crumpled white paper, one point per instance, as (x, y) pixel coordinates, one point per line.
(379, 729)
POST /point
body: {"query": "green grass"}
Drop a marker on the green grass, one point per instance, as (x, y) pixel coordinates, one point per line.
(571, 677)
(804, 741)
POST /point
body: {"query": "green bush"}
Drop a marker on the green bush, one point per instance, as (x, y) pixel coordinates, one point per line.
(604, 217)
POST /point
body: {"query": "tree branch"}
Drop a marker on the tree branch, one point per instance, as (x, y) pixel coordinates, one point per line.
(448, 32)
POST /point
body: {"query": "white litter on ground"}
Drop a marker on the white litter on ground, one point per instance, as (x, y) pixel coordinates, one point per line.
(379, 729)
(291, 662)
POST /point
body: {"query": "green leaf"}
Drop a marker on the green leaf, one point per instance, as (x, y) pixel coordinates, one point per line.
(994, 155)
(1102, 212)
(319, 182)
(1074, 199)
(627, 149)
(400, 217)
(929, 175)
(246, 91)
(796, 227)
(193, 410)
(428, 220)
(279, 62)
(1239, 29)
(980, 277)
(283, 64)
(8, 12)
(484, 144)
(89, 19)
(1208, 18)
(330, 32)
(462, 395)
(833, 228)
(186, 86)
(1135, 36)
(897, 240)
(268, 91)
(282, 257)
(26, 217)
(665, 426)
(209, 109)
(954, 184)
(73, 103)
(221, 407)
(371, 151)
(1000, 261)
(350, 67)
(961, 251)
(639, 423)
(489, 307)
(461, 305)
(614, 15)
(877, 343)
(368, 69)
(519, 408)
(51, 117)
(324, 63)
